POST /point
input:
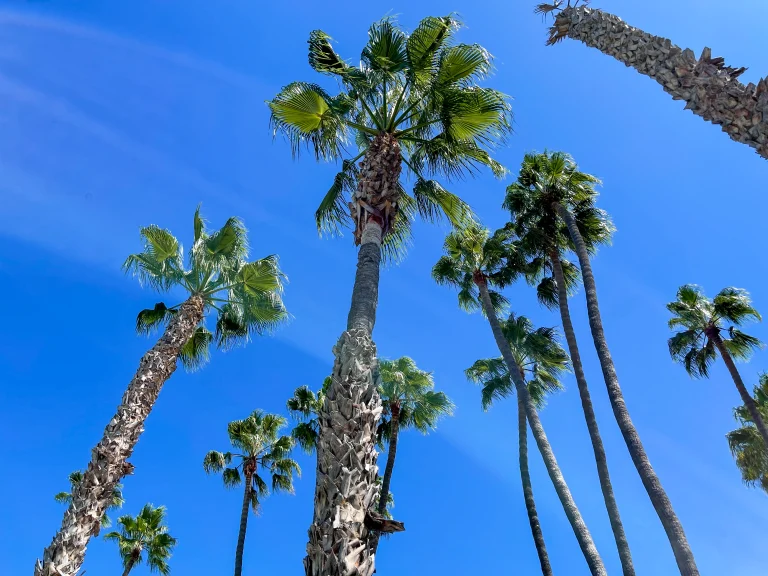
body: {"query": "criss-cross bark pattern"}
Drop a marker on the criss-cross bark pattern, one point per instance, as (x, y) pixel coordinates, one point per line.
(709, 88)
(109, 463)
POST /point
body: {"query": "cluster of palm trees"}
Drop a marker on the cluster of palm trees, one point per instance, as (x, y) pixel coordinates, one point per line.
(418, 116)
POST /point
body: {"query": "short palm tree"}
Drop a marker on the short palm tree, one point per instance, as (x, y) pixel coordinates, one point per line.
(246, 297)
(304, 406)
(413, 102)
(477, 263)
(541, 360)
(74, 479)
(708, 327)
(551, 193)
(263, 453)
(747, 446)
(144, 534)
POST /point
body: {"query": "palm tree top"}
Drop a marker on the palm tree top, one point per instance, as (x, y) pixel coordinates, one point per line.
(699, 320)
(746, 444)
(146, 533)
(246, 296)
(304, 407)
(541, 358)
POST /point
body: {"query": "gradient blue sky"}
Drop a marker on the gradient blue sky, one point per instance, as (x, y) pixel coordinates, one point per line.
(119, 114)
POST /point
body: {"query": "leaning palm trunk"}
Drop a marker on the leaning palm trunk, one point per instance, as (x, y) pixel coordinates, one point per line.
(392, 454)
(583, 536)
(129, 566)
(746, 398)
(243, 520)
(530, 503)
(339, 540)
(109, 462)
(659, 498)
(589, 414)
(709, 87)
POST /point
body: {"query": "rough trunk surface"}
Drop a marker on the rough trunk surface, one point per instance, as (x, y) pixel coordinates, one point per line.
(583, 536)
(530, 503)
(672, 526)
(109, 461)
(709, 87)
(249, 470)
(589, 415)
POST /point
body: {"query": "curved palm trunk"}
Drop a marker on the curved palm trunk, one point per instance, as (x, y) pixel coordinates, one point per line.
(339, 541)
(746, 397)
(387, 478)
(530, 503)
(589, 415)
(109, 462)
(659, 498)
(129, 566)
(580, 529)
(243, 522)
(709, 87)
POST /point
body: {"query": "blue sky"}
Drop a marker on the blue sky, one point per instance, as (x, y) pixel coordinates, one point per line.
(119, 114)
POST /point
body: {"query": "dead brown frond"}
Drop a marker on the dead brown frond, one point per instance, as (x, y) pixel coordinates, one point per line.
(545, 9)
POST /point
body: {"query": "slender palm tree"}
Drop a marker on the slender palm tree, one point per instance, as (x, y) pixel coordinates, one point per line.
(544, 238)
(304, 407)
(708, 327)
(74, 479)
(145, 533)
(477, 263)
(709, 88)
(555, 190)
(247, 299)
(262, 449)
(541, 360)
(747, 446)
(413, 101)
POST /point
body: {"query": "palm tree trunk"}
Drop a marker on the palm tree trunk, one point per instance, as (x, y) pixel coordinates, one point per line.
(530, 503)
(109, 462)
(746, 397)
(583, 536)
(589, 415)
(659, 498)
(709, 88)
(243, 523)
(129, 566)
(339, 541)
(387, 479)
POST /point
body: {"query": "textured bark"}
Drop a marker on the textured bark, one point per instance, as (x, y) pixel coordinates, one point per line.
(589, 415)
(746, 397)
(709, 87)
(249, 470)
(580, 529)
(109, 462)
(672, 526)
(391, 455)
(530, 503)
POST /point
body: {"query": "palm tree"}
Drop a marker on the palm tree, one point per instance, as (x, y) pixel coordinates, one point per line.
(544, 238)
(247, 299)
(747, 445)
(74, 479)
(476, 263)
(413, 101)
(261, 448)
(148, 533)
(541, 360)
(555, 190)
(709, 88)
(304, 406)
(704, 323)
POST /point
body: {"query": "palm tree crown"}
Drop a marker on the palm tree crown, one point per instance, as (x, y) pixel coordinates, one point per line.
(245, 295)
(74, 479)
(260, 447)
(417, 93)
(148, 533)
(702, 320)
(304, 407)
(746, 444)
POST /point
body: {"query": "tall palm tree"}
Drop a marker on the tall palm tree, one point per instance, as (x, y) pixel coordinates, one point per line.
(477, 263)
(544, 238)
(709, 88)
(262, 448)
(413, 101)
(747, 446)
(74, 479)
(705, 332)
(247, 299)
(541, 360)
(148, 533)
(304, 406)
(556, 190)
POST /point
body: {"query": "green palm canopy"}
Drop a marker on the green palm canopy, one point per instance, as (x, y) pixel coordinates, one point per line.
(144, 538)
(304, 407)
(74, 480)
(413, 94)
(746, 444)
